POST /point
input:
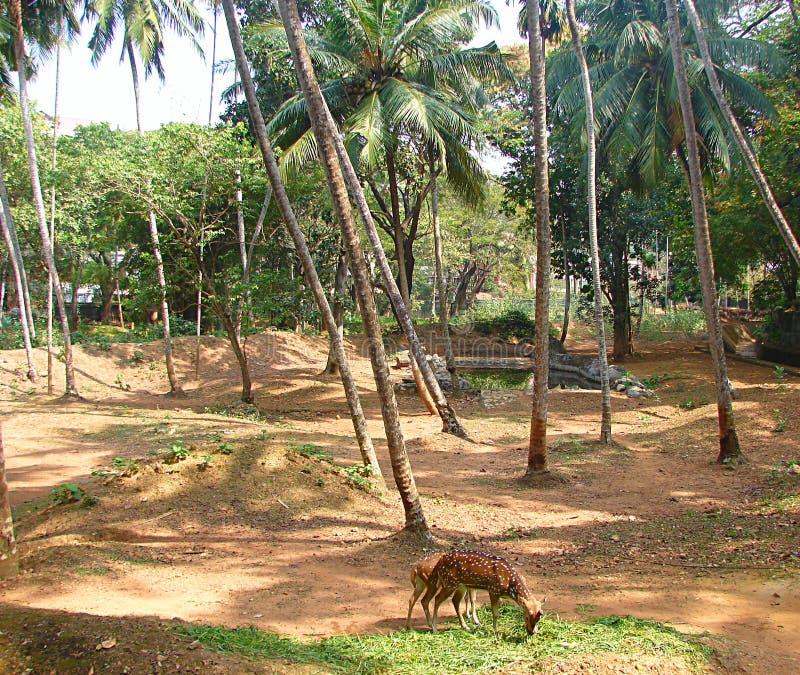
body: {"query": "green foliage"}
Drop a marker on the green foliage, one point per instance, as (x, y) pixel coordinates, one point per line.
(359, 476)
(177, 452)
(311, 450)
(495, 378)
(780, 421)
(686, 322)
(68, 493)
(505, 318)
(455, 651)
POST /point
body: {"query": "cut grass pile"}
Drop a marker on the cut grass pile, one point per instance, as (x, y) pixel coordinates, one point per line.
(456, 651)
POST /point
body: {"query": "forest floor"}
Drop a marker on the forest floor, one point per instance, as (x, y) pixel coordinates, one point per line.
(257, 522)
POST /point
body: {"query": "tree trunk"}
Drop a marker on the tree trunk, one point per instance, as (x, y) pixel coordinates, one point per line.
(215, 9)
(591, 202)
(537, 446)
(402, 276)
(9, 558)
(620, 298)
(339, 289)
(16, 250)
(441, 280)
(325, 133)
(565, 324)
(642, 288)
(666, 275)
(174, 386)
(241, 357)
(260, 131)
(729, 448)
(36, 186)
(8, 224)
(242, 250)
(744, 146)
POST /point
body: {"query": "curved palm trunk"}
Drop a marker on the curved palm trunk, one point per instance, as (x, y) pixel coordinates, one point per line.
(174, 386)
(215, 9)
(567, 285)
(729, 448)
(8, 224)
(339, 287)
(747, 152)
(325, 134)
(41, 217)
(260, 131)
(53, 164)
(441, 281)
(9, 559)
(537, 446)
(591, 201)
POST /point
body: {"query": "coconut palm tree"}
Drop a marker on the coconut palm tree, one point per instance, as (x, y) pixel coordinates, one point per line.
(325, 133)
(537, 444)
(309, 271)
(729, 448)
(40, 19)
(736, 131)
(636, 110)
(591, 200)
(143, 23)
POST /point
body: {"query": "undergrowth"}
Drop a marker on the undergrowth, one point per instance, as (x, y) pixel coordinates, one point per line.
(456, 651)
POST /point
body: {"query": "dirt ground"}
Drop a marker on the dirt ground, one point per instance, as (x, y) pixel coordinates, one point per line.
(247, 530)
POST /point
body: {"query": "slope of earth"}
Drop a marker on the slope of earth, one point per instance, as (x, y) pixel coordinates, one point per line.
(211, 511)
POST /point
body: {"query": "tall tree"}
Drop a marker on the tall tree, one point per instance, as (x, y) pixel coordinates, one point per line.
(325, 132)
(736, 131)
(260, 130)
(591, 202)
(537, 446)
(15, 13)
(729, 448)
(143, 23)
(7, 222)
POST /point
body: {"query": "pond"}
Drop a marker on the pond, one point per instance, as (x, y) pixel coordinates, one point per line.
(517, 378)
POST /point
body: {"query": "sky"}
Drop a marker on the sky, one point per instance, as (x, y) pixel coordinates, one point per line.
(105, 93)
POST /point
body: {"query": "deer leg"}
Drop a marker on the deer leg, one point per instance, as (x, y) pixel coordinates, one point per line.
(419, 587)
(457, 597)
(443, 594)
(472, 597)
(426, 601)
(495, 600)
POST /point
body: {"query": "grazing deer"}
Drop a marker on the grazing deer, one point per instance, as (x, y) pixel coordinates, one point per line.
(458, 571)
(420, 573)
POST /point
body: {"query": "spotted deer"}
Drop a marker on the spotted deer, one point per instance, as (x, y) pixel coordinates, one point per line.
(420, 573)
(458, 571)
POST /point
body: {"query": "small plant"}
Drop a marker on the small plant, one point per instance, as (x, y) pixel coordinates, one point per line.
(780, 421)
(205, 462)
(311, 450)
(654, 380)
(67, 493)
(320, 482)
(177, 452)
(780, 374)
(224, 448)
(103, 342)
(585, 608)
(153, 365)
(359, 475)
(137, 356)
(125, 466)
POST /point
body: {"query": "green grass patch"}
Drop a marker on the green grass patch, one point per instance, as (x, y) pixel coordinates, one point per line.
(456, 651)
(495, 378)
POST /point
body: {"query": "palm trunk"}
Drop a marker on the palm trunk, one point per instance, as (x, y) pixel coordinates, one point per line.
(47, 249)
(234, 338)
(537, 446)
(729, 448)
(339, 287)
(744, 146)
(260, 131)
(242, 249)
(591, 202)
(213, 63)
(565, 324)
(174, 386)
(8, 224)
(325, 134)
(441, 280)
(9, 557)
